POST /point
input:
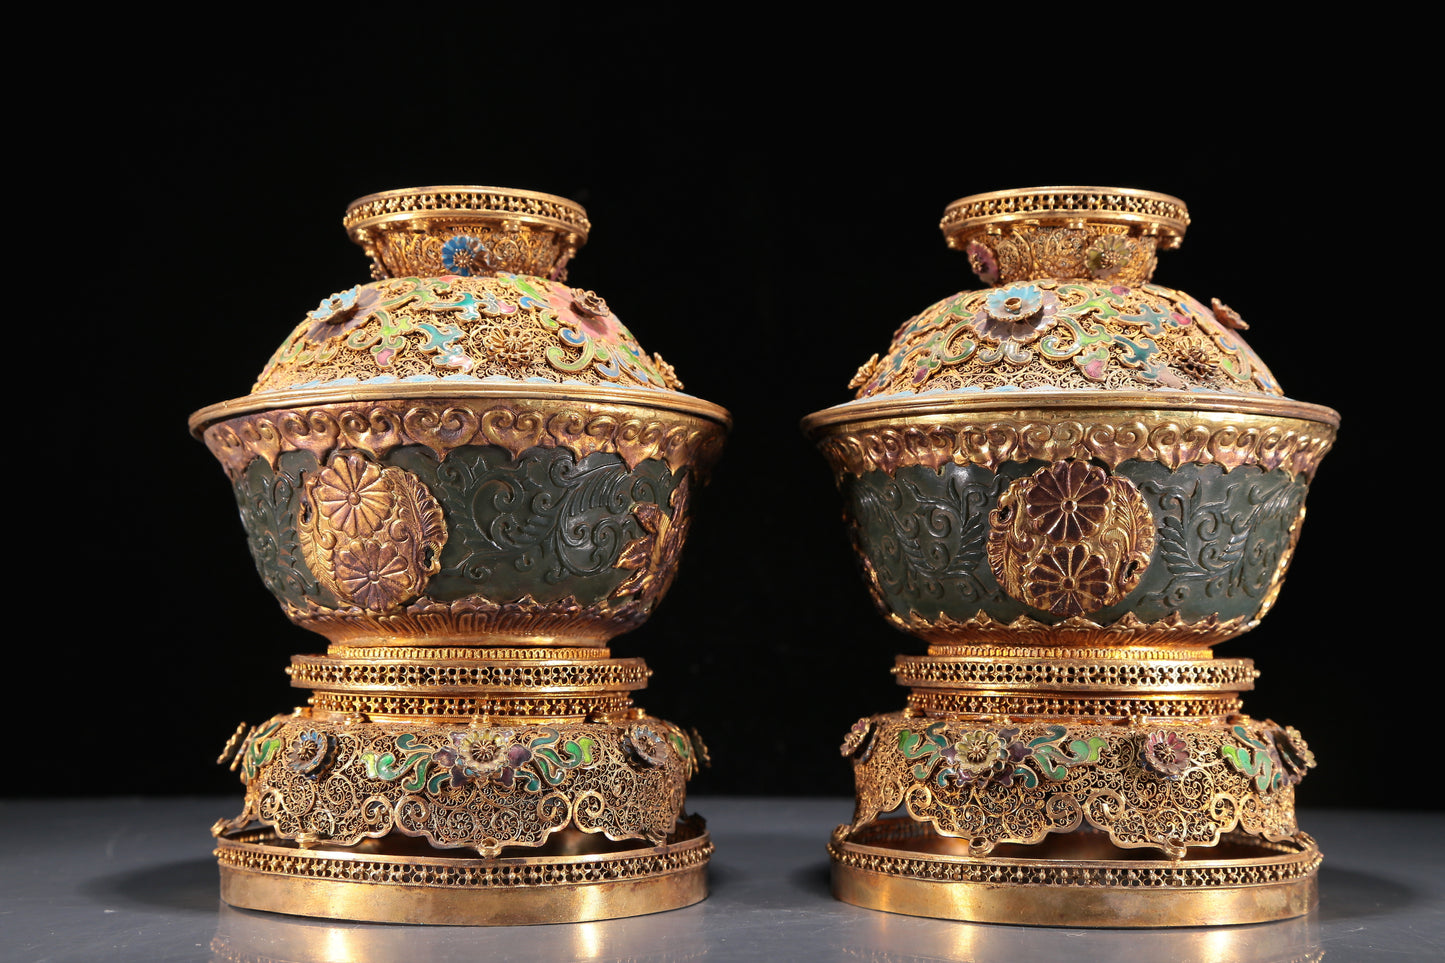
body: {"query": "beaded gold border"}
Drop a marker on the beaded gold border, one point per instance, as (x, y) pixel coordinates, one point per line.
(1081, 675)
(1057, 705)
(384, 706)
(258, 851)
(1126, 653)
(436, 677)
(869, 848)
(481, 652)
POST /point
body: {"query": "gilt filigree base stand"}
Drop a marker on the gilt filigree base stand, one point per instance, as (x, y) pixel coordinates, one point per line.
(1076, 787)
(465, 786)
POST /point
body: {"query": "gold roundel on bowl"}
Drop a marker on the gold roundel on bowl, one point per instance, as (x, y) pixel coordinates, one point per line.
(373, 535)
(1070, 539)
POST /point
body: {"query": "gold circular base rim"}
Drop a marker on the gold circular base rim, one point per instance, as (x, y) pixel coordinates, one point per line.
(1143, 893)
(507, 891)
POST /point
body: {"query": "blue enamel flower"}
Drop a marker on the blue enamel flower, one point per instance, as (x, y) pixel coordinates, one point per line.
(308, 751)
(465, 255)
(1020, 312)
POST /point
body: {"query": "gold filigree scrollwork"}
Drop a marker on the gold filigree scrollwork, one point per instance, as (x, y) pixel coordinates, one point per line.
(1172, 438)
(478, 785)
(943, 702)
(259, 852)
(634, 432)
(405, 706)
(994, 784)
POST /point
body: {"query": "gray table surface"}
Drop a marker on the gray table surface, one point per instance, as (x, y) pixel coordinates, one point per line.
(133, 879)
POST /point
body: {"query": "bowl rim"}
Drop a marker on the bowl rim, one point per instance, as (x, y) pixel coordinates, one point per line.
(676, 401)
(960, 403)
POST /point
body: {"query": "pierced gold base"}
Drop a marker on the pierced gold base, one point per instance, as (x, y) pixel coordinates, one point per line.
(577, 878)
(1076, 879)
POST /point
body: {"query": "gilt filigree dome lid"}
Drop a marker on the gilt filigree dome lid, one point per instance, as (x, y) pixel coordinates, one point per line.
(468, 296)
(1069, 314)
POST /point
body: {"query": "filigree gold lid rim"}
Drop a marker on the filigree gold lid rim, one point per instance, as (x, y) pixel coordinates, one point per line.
(449, 202)
(1078, 402)
(1155, 212)
(676, 401)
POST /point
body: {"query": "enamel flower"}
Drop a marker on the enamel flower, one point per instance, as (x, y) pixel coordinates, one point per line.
(1021, 312)
(342, 312)
(466, 256)
(1292, 752)
(644, 744)
(982, 261)
(1165, 753)
(1107, 255)
(858, 740)
(307, 752)
(975, 759)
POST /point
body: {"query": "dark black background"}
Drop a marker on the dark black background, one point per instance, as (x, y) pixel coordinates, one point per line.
(764, 209)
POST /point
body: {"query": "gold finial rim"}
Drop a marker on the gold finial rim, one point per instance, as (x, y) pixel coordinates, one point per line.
(1151, 211)
(402, 207)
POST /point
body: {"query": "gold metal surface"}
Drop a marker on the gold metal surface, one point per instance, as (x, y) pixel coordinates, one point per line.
(408, 205)
(378, 421)
(258, 872)
(1166, 784)
(1165, 214)
(469, 753)
(1069, 717)
(470, 675)
(1076, 675)
(895, 866)
(888, 433)
(1060, 706)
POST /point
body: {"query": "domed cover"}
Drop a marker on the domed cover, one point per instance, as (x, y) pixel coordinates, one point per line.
(1070, 305)
(468, 288)
(459, 328)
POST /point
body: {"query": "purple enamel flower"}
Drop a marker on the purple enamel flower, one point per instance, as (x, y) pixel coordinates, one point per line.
(341, 313)
(645, 744)
(981, 259)
(1165, 753)
(858, 741)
